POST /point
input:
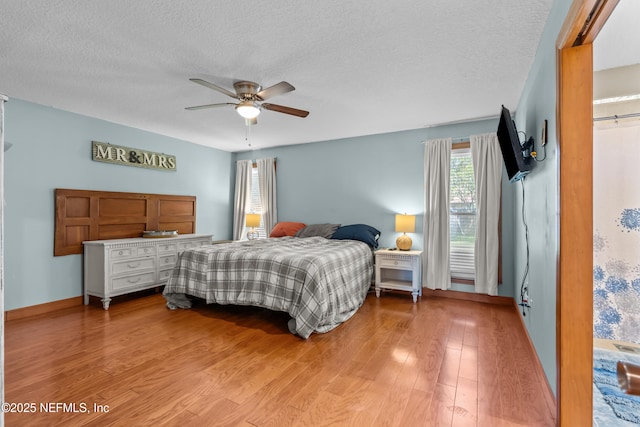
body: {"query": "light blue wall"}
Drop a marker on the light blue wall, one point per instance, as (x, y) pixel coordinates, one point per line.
(538, 103)
(52, 149)
(367, 180)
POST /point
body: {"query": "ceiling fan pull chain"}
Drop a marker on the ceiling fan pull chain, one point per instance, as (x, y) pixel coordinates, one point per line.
(247, 133)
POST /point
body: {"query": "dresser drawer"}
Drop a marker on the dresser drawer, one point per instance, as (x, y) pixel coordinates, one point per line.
(123, 253)
(163, 275)
(133, 252)
(133, 281)
(397, 262)
(146, 250)
(132, 265)
(167, 247)
(168, 260)
(192, 244)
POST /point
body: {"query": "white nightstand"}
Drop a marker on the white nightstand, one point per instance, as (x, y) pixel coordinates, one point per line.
(399, 270)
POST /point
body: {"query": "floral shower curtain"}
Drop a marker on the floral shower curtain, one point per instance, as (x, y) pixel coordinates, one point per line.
(616, 232)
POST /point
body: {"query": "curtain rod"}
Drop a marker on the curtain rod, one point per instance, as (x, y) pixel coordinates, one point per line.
(456, 140)
(462, 121)
(616, 117)
(460, 139)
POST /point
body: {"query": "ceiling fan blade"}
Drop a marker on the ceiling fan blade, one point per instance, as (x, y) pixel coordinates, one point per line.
(285, 110)
(202, 107)
(277, 89)
(214, 87)
(251, 122)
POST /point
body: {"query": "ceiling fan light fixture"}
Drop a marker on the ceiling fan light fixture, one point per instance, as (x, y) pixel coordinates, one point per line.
(248, 109)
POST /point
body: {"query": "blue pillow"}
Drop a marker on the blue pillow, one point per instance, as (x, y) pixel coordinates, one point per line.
(364, 233)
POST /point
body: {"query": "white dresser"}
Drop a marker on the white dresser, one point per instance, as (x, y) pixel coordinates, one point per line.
(121, 266)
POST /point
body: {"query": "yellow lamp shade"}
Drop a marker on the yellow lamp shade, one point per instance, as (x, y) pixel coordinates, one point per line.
(253, 220)
(405, 223)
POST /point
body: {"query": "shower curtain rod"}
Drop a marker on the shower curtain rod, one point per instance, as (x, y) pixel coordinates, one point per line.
(616, 117)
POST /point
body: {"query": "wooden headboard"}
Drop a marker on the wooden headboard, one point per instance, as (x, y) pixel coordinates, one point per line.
(100, 215)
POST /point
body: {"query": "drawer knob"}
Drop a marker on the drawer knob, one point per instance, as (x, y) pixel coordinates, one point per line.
(136, 265)
(120, 253)
(136, 280)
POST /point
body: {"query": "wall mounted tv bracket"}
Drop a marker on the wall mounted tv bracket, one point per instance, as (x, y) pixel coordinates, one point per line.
(526, 147)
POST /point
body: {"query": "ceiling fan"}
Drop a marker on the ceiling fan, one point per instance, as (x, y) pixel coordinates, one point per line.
(251, 97)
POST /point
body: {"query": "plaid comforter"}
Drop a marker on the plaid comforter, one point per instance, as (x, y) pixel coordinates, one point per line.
(319, 282)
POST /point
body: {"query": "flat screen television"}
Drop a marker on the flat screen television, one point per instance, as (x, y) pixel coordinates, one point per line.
(517, 164)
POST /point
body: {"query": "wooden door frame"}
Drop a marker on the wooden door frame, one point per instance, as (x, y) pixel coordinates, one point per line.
(574, 294)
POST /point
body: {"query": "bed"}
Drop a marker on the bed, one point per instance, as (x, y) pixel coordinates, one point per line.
(320, 282)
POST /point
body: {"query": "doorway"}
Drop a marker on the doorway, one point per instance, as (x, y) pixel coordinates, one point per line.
(616, 211)
(574, 331)
(574, 299)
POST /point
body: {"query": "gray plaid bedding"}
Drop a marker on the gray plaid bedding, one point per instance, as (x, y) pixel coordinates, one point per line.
(319, 282)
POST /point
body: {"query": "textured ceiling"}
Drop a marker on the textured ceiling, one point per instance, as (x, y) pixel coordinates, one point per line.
(359, 67)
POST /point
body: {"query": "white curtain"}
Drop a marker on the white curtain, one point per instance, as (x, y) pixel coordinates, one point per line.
(242, 197)
(435, 262)
(487, 169)
(267, 179)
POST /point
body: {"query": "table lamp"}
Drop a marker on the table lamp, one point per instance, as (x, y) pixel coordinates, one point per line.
(405, 224)
(252, 221)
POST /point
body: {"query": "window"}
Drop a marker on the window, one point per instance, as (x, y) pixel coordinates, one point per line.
(256, 204)
(462, 214)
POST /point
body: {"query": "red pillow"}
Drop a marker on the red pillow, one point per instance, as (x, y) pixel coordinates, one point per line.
(286, 229)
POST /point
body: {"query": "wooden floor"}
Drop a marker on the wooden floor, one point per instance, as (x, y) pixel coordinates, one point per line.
(440, 362)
